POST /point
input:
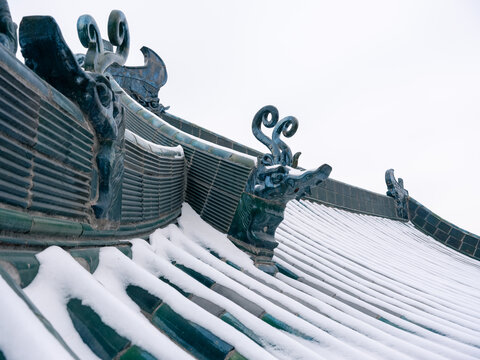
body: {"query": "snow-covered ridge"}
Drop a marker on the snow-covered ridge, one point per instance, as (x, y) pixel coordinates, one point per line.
(351, 286)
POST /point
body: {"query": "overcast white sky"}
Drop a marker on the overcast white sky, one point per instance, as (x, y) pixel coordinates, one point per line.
(374, 84)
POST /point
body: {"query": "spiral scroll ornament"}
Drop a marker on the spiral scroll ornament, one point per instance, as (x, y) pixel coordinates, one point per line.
(280, 151)
(98, 58)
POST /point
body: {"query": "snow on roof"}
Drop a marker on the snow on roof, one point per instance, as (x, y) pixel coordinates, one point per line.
(350, 286)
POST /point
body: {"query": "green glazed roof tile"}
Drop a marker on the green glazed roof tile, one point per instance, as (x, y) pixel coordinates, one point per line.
(100, 338)
(143, 298)
(200, 342)
(136, 353)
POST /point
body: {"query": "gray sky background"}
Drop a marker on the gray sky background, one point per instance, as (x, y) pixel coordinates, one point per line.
(374, 84)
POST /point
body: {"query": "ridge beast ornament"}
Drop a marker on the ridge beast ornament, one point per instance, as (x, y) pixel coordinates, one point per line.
(271, 185)
(397, 191)
(47, 54)
(8, 29)
(143, 83)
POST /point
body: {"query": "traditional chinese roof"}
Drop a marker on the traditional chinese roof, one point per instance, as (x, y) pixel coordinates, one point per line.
(99, 258)
(349, 286)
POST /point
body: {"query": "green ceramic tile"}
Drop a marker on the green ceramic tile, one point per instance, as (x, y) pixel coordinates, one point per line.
(136, 353)
(143, 298)
(198, 341)
(238, 299)
(205, 280)
(283, 270)
(233, 265)
(55, 227)
(126, 249)
(276, 323)
(233, 321)
(211, 307)
(180, 290)
(100, 338)
(236, 356)
(11, 220)
(215, 254)
(88, 231)
(24, 261)
(90, 255)
(393, 324)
